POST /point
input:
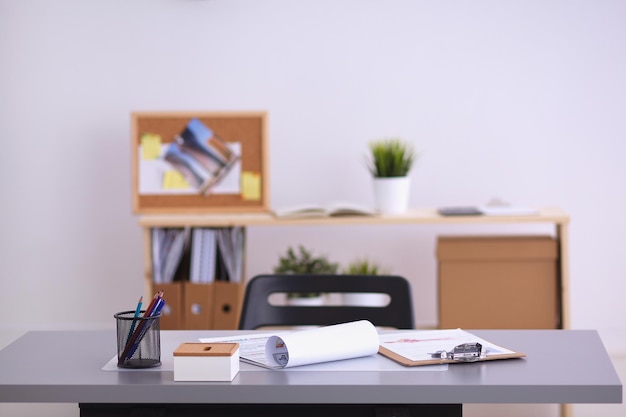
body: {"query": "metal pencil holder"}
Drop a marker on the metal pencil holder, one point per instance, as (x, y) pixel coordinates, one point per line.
(138, 340)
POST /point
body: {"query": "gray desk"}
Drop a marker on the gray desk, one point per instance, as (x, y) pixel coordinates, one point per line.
(563, 366)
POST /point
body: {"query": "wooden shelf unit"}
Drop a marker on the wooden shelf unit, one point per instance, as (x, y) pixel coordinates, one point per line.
(554, 216)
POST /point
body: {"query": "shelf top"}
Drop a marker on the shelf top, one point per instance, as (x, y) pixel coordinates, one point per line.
(412, 216)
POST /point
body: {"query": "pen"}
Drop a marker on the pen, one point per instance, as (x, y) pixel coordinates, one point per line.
(153, 304)
(141, 330)
(159, 307)
(155, 312)
(134, 323)
(137, 331)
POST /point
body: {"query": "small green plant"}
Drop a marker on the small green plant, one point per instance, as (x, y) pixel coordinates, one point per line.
(390, 158)
(303, 262)
(364, 267)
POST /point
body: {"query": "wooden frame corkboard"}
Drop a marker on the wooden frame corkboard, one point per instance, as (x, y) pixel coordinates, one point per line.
(245, 130)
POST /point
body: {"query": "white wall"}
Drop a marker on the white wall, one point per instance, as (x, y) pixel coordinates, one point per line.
(522, 100)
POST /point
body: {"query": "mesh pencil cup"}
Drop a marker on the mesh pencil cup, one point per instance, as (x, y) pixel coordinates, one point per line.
(138, 340)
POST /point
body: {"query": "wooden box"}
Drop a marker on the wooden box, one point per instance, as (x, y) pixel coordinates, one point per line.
(206, 362)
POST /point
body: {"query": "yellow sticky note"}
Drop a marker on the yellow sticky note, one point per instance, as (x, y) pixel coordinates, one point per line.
(150, 146)
(250, 185)
(174, 180)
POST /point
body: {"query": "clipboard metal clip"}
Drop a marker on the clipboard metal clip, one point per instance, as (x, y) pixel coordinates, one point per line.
(466, 352)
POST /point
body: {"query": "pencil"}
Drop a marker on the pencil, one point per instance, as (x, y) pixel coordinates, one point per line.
(137, 331)
(134, 323)
(140, 331)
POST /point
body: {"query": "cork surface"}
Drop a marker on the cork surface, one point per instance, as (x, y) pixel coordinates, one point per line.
(206, 349)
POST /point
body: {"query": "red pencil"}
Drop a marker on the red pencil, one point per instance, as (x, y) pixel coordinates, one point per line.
(152, 304)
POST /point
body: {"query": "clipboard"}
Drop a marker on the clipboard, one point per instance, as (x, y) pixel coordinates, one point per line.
(415, 347)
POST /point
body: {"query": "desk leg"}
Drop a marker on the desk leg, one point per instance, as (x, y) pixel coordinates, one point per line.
(562, 234)
(147, 260)
(269, 410)
(566, 410)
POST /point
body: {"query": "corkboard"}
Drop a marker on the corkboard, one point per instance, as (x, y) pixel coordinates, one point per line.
(246, 129)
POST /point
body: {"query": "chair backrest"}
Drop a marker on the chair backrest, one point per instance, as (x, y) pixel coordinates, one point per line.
(257, 311)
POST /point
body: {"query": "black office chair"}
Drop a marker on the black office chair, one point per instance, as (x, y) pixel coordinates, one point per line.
(258, 312)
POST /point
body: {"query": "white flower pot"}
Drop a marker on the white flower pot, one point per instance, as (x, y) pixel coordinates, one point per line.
(369, 299)
(392, 194)
(306, 301)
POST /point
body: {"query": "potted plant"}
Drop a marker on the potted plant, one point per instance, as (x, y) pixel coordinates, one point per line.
(390, 162)
(303, 262)
(365, 267)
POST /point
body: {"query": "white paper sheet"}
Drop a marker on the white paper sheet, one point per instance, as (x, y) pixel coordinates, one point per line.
(317, 345)
(323, 344)
(419, 345)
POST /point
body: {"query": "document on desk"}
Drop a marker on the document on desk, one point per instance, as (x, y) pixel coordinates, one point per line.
(251, 347)
(286, 349)
(419, 347)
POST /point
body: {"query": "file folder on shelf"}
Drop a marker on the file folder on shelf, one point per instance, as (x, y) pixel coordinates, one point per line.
(205, 291)
(172, 313)
(226, 306)
(212, 306)
(199, 300)
(201, 306)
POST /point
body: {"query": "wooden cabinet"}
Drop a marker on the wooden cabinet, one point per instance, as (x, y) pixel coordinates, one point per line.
(553, 216)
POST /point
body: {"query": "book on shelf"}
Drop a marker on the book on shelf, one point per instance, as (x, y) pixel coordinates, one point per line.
(506, 210)
(332, 209)
(203, 256)
(488, 210)
(207, 254)
(230, 248)
(168, 250)
(217, 255)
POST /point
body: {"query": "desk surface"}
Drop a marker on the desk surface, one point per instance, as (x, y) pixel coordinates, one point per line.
(563, 366)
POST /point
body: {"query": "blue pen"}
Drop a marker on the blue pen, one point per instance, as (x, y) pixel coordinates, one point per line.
(155, 312)
(140, 330)
(159, 307)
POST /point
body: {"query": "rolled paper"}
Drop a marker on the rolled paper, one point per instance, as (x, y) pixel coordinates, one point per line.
(323, 344)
